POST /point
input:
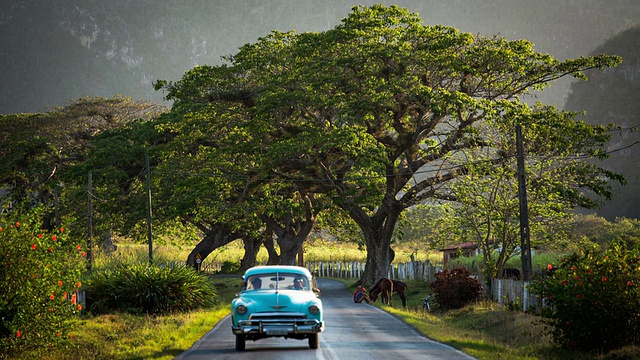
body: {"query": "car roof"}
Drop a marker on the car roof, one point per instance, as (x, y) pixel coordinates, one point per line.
(267, 269)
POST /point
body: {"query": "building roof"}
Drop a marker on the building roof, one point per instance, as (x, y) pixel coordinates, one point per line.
(464, 246)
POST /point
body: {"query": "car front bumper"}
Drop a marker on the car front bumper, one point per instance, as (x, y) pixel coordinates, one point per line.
(280, 326)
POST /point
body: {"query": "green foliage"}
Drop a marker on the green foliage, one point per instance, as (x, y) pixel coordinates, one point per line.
(594, 299)
(40, 275)
(141, 288)
(455, 288)
(229, 267)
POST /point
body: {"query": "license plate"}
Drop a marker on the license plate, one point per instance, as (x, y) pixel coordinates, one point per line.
(274, 332)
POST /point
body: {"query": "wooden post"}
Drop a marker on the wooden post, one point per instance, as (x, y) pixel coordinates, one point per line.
(149, 214)
(525, 242)
(89, 223)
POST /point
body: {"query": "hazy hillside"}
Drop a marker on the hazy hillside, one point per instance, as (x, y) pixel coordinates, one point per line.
(54, 51)
(614, 96)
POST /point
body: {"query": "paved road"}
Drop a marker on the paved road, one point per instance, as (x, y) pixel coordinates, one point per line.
(352, 331)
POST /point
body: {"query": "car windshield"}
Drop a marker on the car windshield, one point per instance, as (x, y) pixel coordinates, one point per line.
(279, 281)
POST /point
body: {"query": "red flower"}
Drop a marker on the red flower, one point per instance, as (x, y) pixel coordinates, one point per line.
(629, 282)
(54, 238)
(0, 228)
(84, 253)
(79, 284)
(578, 296)
(80, 307)
(604, 278)
(73, 299)
(17, 224)
(78, 247)
(549, 267)
(33, 246)
(577, 277)
(50, 249)
(61, 229)
(59, 282)
(564, 283)
(40, 235)
(18, 334)
(51, 309)
(71, 336)
(573, 268)
(58, 334)
(52, 297)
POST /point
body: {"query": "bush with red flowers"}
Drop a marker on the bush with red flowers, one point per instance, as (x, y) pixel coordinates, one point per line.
(593, 299)
(39, 280)
(455, 288)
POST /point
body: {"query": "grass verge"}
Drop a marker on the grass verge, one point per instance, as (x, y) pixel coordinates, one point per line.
(484, 330)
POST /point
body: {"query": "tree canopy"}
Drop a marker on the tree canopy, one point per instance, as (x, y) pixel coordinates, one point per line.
(382, 113)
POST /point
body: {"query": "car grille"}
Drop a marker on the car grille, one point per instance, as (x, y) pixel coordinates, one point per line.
(277, 316)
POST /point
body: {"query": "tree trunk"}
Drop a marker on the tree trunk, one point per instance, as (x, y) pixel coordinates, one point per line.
(251, 248)
(378, 230)
(217, 236)
(274, 258)
(291, 233)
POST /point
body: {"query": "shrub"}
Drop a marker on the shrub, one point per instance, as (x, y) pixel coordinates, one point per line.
(39, 279)
(148, 288)
(229, 267)
(455, 288)
(593, 299)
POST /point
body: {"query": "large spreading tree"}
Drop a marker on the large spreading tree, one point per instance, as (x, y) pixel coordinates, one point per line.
(380, 112)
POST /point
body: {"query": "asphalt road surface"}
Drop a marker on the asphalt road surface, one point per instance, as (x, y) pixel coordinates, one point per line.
(352, 331)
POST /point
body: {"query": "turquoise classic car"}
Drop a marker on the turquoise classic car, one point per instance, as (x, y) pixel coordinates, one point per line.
(277, 301)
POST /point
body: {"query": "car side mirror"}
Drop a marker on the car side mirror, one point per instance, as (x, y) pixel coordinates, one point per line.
(316, 291)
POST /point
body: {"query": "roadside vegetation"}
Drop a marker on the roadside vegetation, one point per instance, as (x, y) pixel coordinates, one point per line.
(483, 329)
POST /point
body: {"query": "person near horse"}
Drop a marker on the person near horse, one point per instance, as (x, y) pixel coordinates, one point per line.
(361, 295)
(384, 289)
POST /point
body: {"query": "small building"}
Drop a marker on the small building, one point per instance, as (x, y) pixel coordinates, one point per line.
(467, 249)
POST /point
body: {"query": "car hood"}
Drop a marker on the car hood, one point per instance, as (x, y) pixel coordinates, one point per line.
(279, 301)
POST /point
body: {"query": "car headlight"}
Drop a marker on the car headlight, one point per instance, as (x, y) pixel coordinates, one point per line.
(314, 309)
(241, 309)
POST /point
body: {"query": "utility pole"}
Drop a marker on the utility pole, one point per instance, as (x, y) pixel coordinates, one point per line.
(525, 242)
(90, 224)
(149, 216)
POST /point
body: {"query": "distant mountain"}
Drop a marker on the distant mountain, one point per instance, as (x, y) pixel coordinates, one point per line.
(613, 96)
(53, 51)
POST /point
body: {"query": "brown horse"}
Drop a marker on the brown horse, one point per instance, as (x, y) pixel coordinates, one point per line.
(399, 287)
(384, 289)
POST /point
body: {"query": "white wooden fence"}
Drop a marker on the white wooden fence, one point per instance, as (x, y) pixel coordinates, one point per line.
(508, 292)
